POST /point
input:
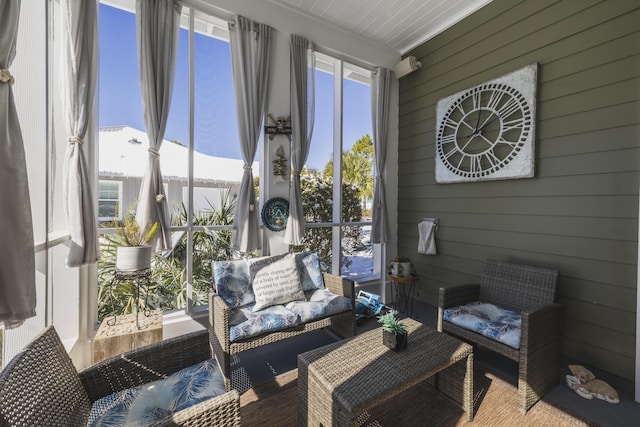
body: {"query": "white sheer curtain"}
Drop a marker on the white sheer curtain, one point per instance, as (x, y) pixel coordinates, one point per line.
(380, 89)
(250, 56)
(77, 89)
(302, 116)
(17, 257)
(157, 27)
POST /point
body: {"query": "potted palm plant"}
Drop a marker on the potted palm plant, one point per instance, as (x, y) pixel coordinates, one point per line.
(134, 251)
(394, 332)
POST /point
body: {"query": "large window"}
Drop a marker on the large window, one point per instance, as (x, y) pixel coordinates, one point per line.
(201, 161)
(199, 158)
(338, 181)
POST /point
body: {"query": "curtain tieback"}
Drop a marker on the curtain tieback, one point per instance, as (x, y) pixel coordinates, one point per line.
(247, 167)
(75, 139)
(155, 153)
(6, 77)
(160, 198)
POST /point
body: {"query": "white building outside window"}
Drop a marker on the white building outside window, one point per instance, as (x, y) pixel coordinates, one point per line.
(109, 200)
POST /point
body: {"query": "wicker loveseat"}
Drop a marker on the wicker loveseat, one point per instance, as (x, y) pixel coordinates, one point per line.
(224, 311)
(527, 295)
(41, 387)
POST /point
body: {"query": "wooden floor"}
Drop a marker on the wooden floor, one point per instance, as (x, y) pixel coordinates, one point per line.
(275, 404)
(267, 377)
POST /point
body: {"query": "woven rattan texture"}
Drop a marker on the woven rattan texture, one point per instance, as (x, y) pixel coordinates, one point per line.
(530, 290)
(517, 287)
(149, 363)
(344, 324)
(41, 387)
(340, 381)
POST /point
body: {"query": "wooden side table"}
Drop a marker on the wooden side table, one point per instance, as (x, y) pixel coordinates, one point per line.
(126, 333)
(401, 284)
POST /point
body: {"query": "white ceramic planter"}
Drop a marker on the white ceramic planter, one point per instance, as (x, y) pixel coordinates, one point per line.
(132, 258)
(405, 269)
(401, 269)
(395, 267)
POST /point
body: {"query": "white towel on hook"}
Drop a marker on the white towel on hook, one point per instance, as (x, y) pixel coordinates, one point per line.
(427, 238)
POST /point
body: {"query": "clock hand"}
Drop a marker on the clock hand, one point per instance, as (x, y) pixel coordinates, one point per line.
(493, 117)
(477, 123)
(464, 147)
(475, 130)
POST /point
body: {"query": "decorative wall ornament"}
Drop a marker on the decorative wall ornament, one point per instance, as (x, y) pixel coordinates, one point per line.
(487, 132)
(278, 127)
(280, 165)
(275, 213)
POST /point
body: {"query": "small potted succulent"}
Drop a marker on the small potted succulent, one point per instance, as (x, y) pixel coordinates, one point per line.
(400, 266)
(394, 332)
(134, 251)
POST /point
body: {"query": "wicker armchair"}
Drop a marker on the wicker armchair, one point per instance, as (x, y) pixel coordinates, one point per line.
(530, 291)
(41, 387)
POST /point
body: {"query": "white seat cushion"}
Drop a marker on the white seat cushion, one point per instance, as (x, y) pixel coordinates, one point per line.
(322, 303)
(147, 403)
(489, 320)
(246, 323)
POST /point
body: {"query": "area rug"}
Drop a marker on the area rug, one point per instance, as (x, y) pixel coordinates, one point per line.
(275, 404)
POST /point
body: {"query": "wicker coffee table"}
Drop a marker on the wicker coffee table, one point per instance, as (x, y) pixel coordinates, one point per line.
(340, 381)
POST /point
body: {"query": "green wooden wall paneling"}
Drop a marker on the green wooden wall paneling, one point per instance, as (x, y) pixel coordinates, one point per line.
(598, 356)
(579, 214)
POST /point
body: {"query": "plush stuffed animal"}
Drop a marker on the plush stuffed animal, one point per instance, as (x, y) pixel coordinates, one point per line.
(585, 384)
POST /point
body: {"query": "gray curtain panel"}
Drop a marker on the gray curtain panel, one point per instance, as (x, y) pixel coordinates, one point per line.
(250, 57)
(17, 257)
(302, 116)
(380, 115)
(157, 27)
(78, 76)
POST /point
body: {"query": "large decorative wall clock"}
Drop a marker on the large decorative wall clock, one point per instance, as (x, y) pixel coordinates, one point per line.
(488, 131)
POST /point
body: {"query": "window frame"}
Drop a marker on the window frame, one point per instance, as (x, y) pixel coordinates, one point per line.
(342, 70)
(193, 21)
(118, 200)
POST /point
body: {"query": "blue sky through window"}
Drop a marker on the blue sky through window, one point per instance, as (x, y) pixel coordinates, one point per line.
(215, 131)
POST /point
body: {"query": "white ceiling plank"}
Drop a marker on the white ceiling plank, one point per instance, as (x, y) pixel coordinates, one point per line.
(398, 24)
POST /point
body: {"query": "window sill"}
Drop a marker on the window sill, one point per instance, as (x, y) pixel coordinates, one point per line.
(179, 323)
(366, 280)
